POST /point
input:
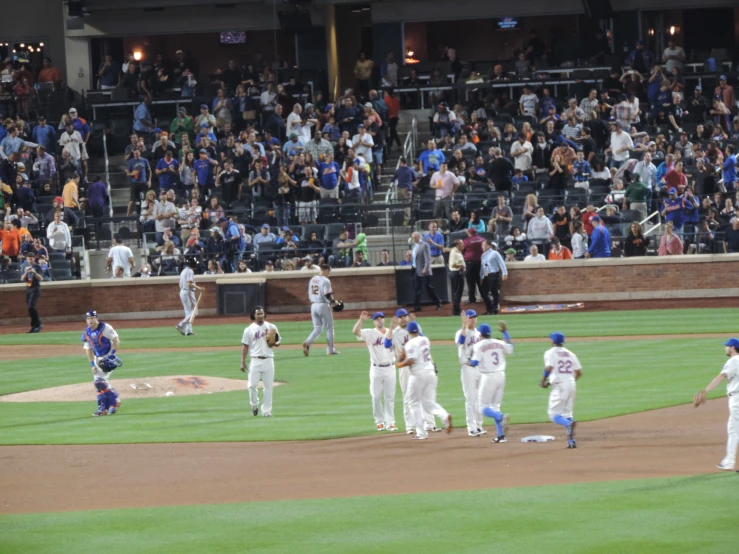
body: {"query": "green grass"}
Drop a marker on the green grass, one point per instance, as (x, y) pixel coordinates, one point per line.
(328, 397)
(660, 516)
(580, 324)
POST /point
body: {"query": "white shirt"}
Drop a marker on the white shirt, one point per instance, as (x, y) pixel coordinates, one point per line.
(563, 363)
(464, 351)
(294, 124)
(363, 144)
(677, 51)
(579, 245)
(618, 141)
(73, 143)
(537, 258)
(379, 355)
(120, 254)
(529, 102)
(419, 350)
(491, 353)
(54, 228)
(400, 339)
(255, 337)
(318, 288)
(161, 208)
(187, 276)
(522, 162)
(731, 370)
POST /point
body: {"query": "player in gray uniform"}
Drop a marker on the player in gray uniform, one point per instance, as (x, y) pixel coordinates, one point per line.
(322, 302)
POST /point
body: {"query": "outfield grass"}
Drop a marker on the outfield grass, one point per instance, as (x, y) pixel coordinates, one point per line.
(328, 397)
(671, 516)
(579, 324)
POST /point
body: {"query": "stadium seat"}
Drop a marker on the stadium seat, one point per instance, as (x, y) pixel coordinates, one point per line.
(332, 231)
(627, 216)
(306, 230)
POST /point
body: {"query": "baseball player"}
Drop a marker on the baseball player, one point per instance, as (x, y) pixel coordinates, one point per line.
(382, 370)
(396, 338)
(422, 381)
(322, 300)
(730, 374)
(489, 356)
(187, 297)
(465, 339)
(101, 343)
(260, 337)
(561, 370)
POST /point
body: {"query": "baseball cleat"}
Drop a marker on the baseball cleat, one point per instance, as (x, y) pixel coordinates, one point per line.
(571, 431)
(190, 334)
(504, 424)
(111, 411)
(410, 431)
(481, 431)
(306, 349)
(725, 467)
(434, 429)
(182, 332)
(473, 433)
(333, 353)
(572, 444)
(448, 423)
(99, 413)
(267, 414)
(417, 438)
(500, 438)
(380, 427)
(255, 411)
(391, 427)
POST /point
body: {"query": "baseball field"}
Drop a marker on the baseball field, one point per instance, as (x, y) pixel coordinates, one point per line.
(185, 467)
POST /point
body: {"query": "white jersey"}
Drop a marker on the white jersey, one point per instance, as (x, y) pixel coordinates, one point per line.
(400, 339)
(491, 353)
(121, 254)
(563, 363)
(255, 337)
(464, 351)
(186, 276)
(419, 349)
(375, 341)
(318, 288)
(731, 370)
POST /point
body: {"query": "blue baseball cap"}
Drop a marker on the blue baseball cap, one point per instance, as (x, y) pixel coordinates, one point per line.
(559, 338)
(157, 130)
(203, 106)
(204, 124)
(485, 330)
(286, 228)
(698, 87)
(722, 78)
(377, 314)
(732, 342)
(471, 313)
(595, 218)
(401, 312)
(93, 313)
(265, 225)
(672, 190)
(413, 327)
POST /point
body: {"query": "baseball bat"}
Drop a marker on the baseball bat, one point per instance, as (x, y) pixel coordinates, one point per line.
(195, 311)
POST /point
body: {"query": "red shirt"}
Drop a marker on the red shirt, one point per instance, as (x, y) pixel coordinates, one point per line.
(11, 242)
(473, 248)
(393, 107)
(49, 75)
(676, 180)
(585, 218)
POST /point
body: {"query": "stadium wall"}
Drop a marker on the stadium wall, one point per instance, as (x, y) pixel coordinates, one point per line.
(627, 283)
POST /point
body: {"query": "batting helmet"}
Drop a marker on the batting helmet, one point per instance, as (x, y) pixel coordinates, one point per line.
(192, 262)
(254, 311)
(339, 306)
(109, 364)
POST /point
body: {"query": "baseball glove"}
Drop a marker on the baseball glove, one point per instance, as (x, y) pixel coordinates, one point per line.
(699, 398)
(109, 364)
(271, 338)
(339, 306)
(502, 326)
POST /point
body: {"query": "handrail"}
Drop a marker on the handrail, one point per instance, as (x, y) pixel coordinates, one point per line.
(107, 174)
(409, 152)
(650, 216)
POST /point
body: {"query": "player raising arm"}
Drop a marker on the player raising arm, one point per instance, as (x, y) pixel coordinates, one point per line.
(465, 339)
(561, 370)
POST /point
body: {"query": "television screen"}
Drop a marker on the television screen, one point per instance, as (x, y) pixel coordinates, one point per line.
(507, 24)
(233, 37)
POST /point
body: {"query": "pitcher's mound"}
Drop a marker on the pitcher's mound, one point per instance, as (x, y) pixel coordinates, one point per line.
(140, 387)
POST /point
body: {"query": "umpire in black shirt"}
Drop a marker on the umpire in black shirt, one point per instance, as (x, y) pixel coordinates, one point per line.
(32, 277)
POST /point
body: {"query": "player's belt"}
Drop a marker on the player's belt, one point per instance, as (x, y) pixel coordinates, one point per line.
(382, 365)
(262, 357)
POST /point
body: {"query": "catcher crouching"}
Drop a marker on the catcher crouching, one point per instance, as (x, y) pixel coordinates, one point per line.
(101, 343)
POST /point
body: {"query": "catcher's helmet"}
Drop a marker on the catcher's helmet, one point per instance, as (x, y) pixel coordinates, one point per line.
(109, 364)
(338, 306)
(91, 313)
(192, 262)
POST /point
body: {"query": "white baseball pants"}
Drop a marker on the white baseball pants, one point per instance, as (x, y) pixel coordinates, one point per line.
(422, 393)
(470, 387)
(490, 394)
(323, 320)
(403, 377)
(382, 387)
(187, 297)
(261, 370)
(732, 429)
(561, 400)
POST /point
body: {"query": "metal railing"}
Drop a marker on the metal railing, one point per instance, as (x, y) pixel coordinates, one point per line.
(409, 153)
(107, 173)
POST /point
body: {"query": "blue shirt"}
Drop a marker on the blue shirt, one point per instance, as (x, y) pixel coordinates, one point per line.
(167, 179)
(600, 243)
(430, 159)
(101, 346)
(581, 171)
(203, 169)
(143, 167)
(403, 262)
(256, 150)
(292, 145)
(405, 176)
(436, 238)
(329, 180)
(521, 179)
(81, 127)
(209, 135)
(44, 136)
(141, 114)
(333, 131)
(675, 215)
(492, 262)
(662, 170)
(232, 230)
(10, 145)
(730, 169)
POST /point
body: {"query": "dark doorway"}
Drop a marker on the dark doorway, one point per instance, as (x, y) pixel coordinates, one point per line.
(709, 28)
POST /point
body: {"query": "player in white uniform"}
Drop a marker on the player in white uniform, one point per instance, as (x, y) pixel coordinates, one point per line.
(396, 338)
(465, 339)
(322, 300)
(561, 370)
(100, 342)
(187, 297)
(382, 370)
(422, 382)
(489, 356)
(730, 374)
(262, 362)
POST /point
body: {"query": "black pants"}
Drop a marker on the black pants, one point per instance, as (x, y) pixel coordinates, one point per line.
(457, 282)
(491, 292)
(32, 295)
(393, 134)
(473, 279)
(421, 282)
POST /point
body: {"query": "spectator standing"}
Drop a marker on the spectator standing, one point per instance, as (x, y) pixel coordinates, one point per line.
(492, 270)
(457, 268)
(70, 193)
(641, 59)
(181, 125)
(636, 195)
(672, 210)
(329, 171)
(446, 184)
(362, 72)
(473, 259)
(120, 260)
(167, 169)
(57, 234)
(521, 151)
(539, 231)
(621, 145)
(404, 177)
(636, 243)
(109, 73)
(729, 168)
(32, 275)
(600, 240)
(726, 92)
(500, 171)
(13, 143)
(44, 134)
(435, 240)
(139, 173)
(589, 106)
(422, 272)
(673, 56)
(204, 171)
(49, 73)
(11, 240)
(731, 242)
(528, 102)
(579, 241)
(143, 123)
(164, 213)
(670, 244)
(502, 216)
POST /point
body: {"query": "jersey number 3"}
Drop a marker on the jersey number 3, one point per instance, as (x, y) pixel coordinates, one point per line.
(426, 355)
(495, 358)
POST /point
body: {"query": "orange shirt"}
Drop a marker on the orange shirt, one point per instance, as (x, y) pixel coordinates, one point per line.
(564, 254)
(393, 106)
(49, 75)
(11, 242)
(70, 195)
